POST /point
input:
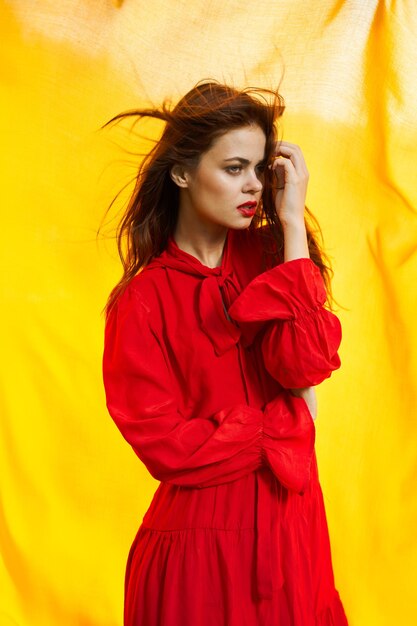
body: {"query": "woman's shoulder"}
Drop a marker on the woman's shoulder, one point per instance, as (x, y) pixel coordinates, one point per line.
(141, 293)
(149, 278)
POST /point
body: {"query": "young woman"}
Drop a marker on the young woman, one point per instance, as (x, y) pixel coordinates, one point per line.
(215, 337)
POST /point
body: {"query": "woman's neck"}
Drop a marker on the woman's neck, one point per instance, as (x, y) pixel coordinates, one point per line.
(206, 244)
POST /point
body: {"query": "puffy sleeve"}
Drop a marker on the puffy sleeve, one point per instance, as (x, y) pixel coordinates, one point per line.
(300, 337)
(194, 452)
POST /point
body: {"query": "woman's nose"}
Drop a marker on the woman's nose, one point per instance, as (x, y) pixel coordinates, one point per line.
(253, 183)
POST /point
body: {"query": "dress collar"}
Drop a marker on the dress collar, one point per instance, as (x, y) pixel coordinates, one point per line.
(176, 258)
(211, 308)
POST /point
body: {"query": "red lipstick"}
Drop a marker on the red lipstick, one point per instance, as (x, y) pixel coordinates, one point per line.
(248, 209)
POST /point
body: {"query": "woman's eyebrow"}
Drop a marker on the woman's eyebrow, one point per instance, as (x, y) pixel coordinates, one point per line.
(242, 160)
(245, 161)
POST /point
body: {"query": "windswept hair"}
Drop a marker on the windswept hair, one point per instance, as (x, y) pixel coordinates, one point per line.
(206, 112)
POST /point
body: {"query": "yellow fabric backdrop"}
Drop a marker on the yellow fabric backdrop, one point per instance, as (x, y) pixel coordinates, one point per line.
(72, 491)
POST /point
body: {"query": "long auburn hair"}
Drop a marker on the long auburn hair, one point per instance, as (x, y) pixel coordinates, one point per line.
(207, 111)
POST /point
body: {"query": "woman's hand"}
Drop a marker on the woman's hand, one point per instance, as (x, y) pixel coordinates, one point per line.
(309, 395)
(292, 176)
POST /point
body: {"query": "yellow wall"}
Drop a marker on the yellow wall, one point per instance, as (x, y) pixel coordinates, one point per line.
(72, 491)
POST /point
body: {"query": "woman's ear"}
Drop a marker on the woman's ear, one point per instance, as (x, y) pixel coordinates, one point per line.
(179, 175)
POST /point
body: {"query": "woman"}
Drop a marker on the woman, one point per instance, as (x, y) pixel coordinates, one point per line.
(215, 337)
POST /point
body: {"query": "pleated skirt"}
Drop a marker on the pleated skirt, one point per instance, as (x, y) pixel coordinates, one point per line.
(245, 553)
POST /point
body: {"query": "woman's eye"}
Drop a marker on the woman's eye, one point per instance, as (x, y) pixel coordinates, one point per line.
(234, 169)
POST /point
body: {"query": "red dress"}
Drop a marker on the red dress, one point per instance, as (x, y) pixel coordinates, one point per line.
(197, 366)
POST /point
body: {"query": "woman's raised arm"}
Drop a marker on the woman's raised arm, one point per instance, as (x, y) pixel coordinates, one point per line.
(300, 336)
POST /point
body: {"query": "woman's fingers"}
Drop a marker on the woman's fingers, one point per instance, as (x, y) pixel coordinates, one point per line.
(291, 152)
(286, 172)
(291, 181)
(279, 172)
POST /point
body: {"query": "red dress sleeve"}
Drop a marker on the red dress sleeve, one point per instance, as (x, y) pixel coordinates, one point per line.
(301, 337)
(195, 452)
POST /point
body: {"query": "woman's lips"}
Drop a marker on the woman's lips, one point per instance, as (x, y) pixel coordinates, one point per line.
(248, 209)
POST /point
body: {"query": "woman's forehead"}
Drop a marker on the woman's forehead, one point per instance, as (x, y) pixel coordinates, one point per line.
(245, 142)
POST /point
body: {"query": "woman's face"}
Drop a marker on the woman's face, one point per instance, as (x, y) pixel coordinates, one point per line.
(225, 188)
